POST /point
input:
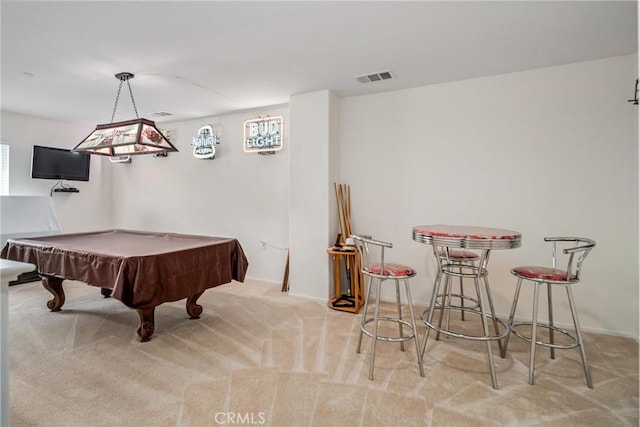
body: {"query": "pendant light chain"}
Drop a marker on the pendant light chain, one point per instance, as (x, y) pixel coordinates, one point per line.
(115, 105)
(133, 101)
(124, 77)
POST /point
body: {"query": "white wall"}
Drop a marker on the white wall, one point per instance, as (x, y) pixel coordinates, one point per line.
(311, 230)
(546, 152)
(88, 210)
(237, 194)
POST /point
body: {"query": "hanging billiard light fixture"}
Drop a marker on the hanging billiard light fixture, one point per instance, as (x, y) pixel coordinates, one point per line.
(128, 138)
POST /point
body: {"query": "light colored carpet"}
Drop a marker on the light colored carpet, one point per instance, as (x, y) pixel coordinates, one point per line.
(260, 357)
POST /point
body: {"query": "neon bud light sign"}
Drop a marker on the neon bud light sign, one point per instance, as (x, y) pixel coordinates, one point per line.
(263, 135)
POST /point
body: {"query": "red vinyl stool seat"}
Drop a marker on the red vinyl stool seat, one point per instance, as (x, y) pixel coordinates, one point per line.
(390, 269)
(542, 273)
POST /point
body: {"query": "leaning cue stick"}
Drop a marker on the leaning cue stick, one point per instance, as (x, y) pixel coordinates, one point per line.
(348, 209)
(340, 189)
(344, 218)
(285, 280)
(346, 204)
(335, 186)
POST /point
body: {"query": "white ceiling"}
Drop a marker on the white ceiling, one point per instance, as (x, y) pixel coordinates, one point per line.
(197, 59)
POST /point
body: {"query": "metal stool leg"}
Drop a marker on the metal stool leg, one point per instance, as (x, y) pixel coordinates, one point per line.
(364, 315)
(461, 292)
(512, 313)
(415, 328)
(448, 303)
(583, 354)
(432, 306)
(485, 329)
(375, 329)
(551, 338)
(399, 305)
(534, 324)
(445, 292)
(493, 312)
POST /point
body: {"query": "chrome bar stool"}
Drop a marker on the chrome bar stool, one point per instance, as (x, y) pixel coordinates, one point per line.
(575, 250)
(380, 272)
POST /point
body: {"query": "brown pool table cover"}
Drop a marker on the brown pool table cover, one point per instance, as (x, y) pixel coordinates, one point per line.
(143, 269)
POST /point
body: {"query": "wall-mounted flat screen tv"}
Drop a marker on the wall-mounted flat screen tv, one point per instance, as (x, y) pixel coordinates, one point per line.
(58, 163)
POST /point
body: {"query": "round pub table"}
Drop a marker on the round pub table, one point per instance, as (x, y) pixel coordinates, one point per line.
(445, 238)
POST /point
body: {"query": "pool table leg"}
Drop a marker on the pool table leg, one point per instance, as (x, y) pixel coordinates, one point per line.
(194, 310)
(147, 323)
(54, 285)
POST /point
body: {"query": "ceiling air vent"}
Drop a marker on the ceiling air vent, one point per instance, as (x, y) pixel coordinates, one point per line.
(374, 77)
(160, 114)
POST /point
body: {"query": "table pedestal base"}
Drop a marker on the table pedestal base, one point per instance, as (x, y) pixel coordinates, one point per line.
(477, 273)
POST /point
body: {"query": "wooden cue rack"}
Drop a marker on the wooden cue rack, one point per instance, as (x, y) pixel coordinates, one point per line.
(347, 298)
(353, 299)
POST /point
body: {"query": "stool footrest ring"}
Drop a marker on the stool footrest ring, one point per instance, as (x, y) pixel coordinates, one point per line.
(465, 297)
(474, 272)
(574, 344)
(387, 338)
(424, 316)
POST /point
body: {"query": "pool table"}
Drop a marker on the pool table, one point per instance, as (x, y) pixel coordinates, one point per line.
(139, 268)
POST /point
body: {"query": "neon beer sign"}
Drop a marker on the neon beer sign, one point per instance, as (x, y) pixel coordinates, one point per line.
(204, 144)
(263, 135)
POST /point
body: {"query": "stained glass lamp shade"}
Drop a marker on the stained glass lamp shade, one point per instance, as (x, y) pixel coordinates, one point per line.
(131, 137)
